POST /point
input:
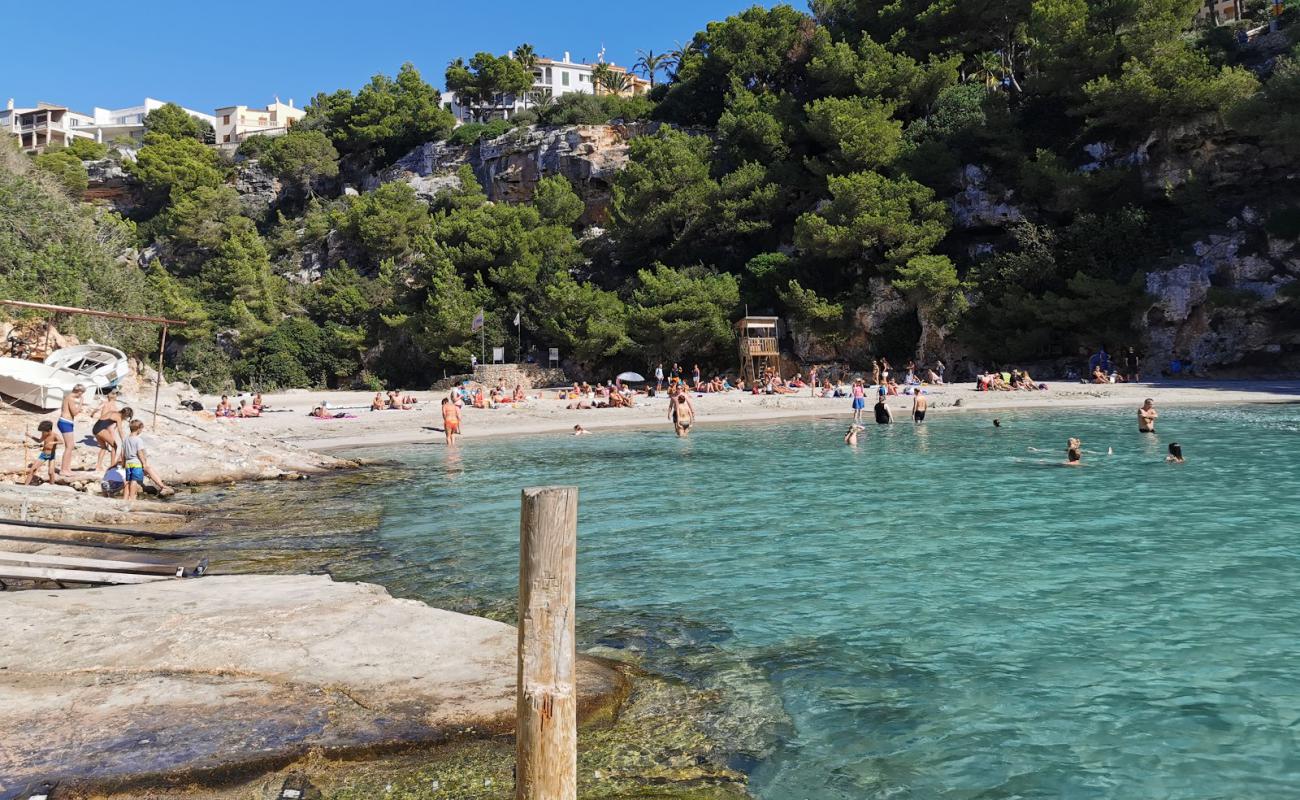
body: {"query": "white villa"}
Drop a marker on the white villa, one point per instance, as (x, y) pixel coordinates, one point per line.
(236, 123)
(551, 78)
(50, 124)
(126, 125)
(44, 125)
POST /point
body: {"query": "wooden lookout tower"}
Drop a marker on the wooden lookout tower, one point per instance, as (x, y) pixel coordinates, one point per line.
(759, 348)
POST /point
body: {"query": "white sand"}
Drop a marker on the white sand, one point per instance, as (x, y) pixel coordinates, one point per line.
(291, 424)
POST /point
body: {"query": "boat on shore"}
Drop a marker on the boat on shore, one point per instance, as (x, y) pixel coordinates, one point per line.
(44, 384)
(99, 365)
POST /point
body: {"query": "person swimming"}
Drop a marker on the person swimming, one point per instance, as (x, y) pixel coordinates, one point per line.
(997, 423)
(1073, 453)
(851, 438)
(1175, 453)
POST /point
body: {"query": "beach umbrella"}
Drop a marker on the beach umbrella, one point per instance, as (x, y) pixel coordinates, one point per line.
(630, 377)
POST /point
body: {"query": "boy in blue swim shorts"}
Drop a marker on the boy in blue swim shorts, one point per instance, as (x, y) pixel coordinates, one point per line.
(49, 442)
(135, 464)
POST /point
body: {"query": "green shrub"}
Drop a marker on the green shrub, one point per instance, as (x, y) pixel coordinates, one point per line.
(471, 132)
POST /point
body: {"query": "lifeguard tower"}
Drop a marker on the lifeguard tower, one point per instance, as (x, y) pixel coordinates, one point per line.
(759, 348)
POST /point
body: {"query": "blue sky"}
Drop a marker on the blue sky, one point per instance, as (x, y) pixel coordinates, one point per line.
(204, 55)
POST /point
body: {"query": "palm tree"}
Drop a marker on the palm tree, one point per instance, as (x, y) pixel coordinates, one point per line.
(527, 58)
(989, 65)
(615, 82)
(678, 55)
(649, 64)
(599, 73)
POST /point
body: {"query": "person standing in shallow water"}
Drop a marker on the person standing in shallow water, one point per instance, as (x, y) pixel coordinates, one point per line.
(1147, 417)
(883, 415)
(681, 414)
(919, 406)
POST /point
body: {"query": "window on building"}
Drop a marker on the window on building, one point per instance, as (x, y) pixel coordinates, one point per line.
(225, 119)
(564, 78)
(548, 75)
(582, 78)
(225, 138)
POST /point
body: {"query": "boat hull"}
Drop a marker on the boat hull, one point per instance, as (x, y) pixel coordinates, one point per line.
(37, 384)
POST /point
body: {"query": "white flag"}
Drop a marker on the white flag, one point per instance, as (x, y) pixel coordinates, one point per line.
(477, 323)
(516, 319)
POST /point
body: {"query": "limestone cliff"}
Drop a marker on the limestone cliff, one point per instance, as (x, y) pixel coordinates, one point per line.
(509, 166)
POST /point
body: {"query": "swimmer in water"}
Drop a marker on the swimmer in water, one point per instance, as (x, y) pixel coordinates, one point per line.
(1175, 453)
(997, 423)
(1073, 457)
(851, 438)
(578, 430)
(1147, 417)
(919, 406)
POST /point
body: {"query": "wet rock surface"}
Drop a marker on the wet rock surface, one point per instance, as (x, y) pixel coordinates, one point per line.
(201, 679)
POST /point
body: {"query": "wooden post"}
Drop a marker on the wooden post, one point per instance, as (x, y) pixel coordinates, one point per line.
(546, 716)
(157, 384)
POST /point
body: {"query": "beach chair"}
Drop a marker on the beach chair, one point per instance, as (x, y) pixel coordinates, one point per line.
(554, 360)
(498, 355)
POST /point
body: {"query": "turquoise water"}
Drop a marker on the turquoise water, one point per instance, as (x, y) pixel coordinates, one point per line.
(940, 613)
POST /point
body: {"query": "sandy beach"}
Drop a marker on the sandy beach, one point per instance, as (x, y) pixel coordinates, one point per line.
(289, 423)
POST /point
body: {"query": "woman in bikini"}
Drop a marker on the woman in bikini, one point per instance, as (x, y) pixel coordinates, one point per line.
(105, 430)
(450, 421)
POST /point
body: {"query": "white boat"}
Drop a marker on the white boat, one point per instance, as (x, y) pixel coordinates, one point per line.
(36, 384)
(100, 366)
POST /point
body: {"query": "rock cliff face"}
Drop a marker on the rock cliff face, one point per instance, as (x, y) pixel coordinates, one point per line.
(509, 166)
(1227, 304)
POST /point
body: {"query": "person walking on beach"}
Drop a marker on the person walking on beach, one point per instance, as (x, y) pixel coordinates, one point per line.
(450, 421)
(1147, 417)
(919, 405)
(659, 378)
(859, 401)
(72, 406)
(681, 414)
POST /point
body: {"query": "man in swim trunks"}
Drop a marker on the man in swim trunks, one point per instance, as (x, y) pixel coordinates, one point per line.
(919, 405)
(1147, 417)
(450, 421)
(72, 406)
(682, 415)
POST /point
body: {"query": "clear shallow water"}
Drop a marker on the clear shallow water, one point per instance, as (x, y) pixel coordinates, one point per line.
(940, 613)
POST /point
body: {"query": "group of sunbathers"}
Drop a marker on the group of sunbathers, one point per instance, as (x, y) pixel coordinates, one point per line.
(583, 396)
(245, 409)
(1014, 380)
(394, 400)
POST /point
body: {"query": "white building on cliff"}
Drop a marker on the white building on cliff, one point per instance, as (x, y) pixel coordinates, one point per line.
(551, 79)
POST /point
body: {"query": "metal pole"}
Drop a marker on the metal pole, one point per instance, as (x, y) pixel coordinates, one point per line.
(546, 710)
(157, 384)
